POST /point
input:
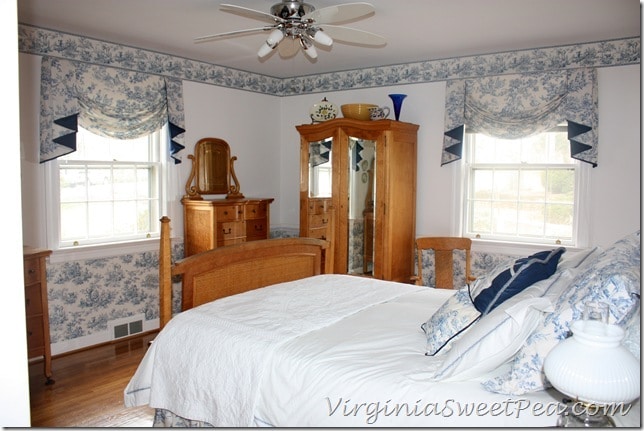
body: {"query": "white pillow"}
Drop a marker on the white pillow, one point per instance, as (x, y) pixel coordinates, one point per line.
(497, 337)
(579, 259)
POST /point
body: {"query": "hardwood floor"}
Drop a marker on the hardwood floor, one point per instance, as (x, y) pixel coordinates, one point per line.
(88, 388)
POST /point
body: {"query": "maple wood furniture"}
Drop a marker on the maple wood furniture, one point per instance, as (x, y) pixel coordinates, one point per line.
(209, 222)
(345, 165)
(443, 248)
(36, 308)
(225, 271)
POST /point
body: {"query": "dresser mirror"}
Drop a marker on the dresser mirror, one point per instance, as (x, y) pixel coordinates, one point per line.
(362, 164)
(212, 170)
(320, 168)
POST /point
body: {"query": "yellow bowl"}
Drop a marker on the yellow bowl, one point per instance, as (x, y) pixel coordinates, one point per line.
(357, 111)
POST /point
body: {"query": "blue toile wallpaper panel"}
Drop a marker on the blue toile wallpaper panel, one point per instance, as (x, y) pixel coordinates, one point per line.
(84, 295)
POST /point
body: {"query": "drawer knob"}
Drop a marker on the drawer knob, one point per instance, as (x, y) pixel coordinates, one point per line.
(325, 220)
(31, 271)
(259, 227)
(230, 230)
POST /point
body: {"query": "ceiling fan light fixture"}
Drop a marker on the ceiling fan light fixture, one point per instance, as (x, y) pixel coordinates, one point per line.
(322, 38)
(308, 48)
(272, 41)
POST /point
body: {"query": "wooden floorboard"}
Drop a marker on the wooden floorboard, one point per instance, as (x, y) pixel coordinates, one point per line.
(88, 388)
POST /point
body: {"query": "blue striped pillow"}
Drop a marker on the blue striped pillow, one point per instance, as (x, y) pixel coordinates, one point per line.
(523, 273)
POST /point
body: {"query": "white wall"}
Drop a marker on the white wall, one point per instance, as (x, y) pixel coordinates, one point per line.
(615, 199)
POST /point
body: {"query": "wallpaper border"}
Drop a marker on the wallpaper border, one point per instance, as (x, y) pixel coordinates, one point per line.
(40, 41)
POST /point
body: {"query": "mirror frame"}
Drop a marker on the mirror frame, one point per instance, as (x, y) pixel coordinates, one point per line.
(212, 170)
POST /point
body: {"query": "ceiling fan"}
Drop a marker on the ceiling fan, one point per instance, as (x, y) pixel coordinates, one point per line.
(295, 24)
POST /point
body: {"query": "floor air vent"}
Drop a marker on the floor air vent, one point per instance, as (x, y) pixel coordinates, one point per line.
(127, 326)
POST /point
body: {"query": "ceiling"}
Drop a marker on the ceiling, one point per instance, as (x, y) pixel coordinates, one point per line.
(416, 30)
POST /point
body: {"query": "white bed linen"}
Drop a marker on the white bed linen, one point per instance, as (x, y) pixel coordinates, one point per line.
(207, 363)
(358, 371)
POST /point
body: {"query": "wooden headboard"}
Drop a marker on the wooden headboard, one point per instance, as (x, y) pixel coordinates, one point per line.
(233, 269)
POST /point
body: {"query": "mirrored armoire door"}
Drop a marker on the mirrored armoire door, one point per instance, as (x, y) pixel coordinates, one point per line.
(357, 190)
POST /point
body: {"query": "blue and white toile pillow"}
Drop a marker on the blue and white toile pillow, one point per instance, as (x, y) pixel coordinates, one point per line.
(612, 277)
(453, 317)
(462, 310)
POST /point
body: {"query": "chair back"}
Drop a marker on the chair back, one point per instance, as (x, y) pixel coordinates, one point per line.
(443, 248)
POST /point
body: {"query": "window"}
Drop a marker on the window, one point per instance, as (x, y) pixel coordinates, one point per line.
(525, 190)
(110, 190)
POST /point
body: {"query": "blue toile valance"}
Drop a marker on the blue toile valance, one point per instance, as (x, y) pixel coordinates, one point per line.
(520, 105)
(109, 102)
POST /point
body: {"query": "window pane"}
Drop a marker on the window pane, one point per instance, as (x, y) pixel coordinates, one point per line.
(125, 183)
(559, 221)
(561, 185)
(483, 183)
(506, 185)
(73, 186)
(505, 217)
(100, 220)
(100, 183)
(73, 221)
(481, 220)
(531, 218)
(143, 215)
(125, 217)
(533, 185)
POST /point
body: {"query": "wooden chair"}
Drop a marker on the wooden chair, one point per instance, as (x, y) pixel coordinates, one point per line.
(444, 259)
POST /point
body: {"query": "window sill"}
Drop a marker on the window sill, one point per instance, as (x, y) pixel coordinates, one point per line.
(105, 250)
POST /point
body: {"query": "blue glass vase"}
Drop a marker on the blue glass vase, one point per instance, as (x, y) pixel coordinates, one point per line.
(398, 100)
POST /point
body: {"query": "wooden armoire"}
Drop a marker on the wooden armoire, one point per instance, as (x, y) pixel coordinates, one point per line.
(358, 191)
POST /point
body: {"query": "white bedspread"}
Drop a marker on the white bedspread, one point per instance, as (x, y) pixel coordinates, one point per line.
(355, 374)
(232, 340)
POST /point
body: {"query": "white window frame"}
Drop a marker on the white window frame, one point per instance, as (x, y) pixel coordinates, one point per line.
(582, 212)
(97, 250)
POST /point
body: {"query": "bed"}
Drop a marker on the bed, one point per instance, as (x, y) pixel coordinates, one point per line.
(267, 338)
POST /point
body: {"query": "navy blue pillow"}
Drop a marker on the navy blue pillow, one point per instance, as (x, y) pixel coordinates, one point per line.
(522, 274)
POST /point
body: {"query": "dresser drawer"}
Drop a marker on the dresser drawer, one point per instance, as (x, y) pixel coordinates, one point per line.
(320, 206)
(35, 333)
(319, 220)
(32, 270)
(33, 299)
(230, 213)
(319, 233)
(256, 229)
(230, 230)
(254, 211)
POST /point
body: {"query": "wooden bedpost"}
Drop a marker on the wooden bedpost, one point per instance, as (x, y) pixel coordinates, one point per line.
(165, 274)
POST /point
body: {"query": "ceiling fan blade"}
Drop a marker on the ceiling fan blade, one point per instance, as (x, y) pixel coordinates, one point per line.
(352, 35)
(251, 13)
(230, 33)
(339, 13)
(288, 47)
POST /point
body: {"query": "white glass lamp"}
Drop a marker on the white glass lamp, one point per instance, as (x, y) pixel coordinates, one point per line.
(595, 371)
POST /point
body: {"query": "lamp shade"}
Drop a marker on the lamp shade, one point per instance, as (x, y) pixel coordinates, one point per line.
(592, 366)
